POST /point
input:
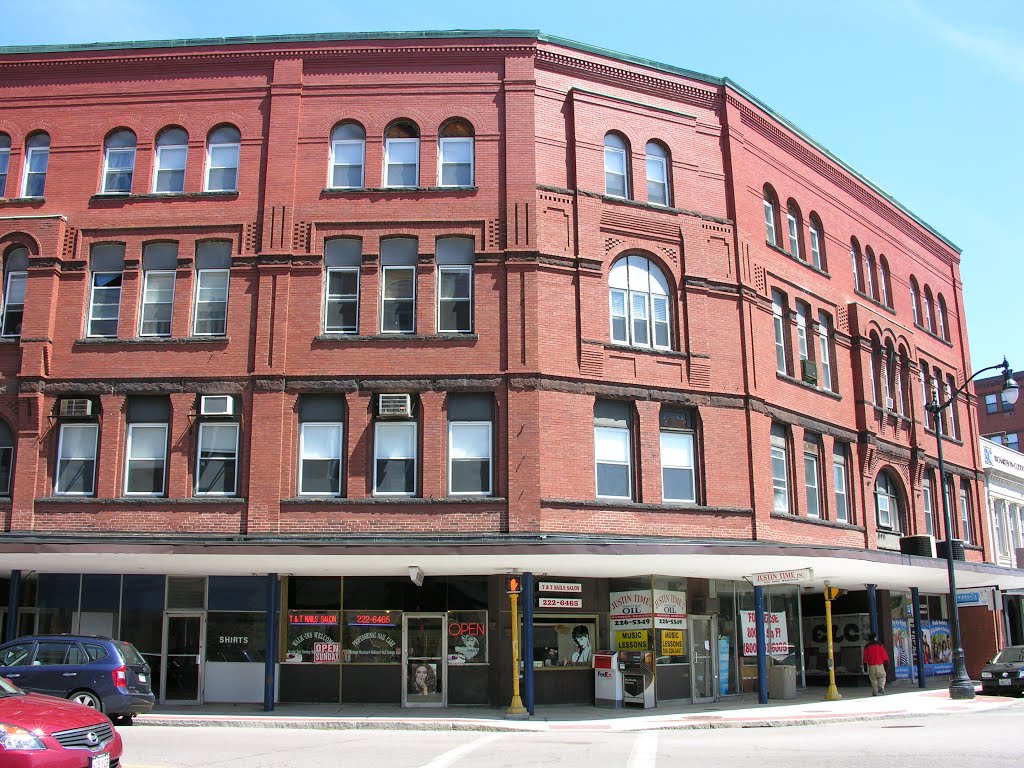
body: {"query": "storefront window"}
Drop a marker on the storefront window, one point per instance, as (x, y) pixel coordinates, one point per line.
(467, 637)
(313, 636)
(57, 602)
(236, 636)
(237, 593)
(372, 637)
(564, 641)
(728, 653)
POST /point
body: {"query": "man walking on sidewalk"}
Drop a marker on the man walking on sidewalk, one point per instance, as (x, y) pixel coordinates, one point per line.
(875, 659)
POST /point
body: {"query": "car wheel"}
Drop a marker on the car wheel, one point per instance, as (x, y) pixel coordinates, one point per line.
(88, 698)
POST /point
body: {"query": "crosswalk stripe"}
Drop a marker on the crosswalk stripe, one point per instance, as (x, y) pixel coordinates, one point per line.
(452, 756)
(645, 751)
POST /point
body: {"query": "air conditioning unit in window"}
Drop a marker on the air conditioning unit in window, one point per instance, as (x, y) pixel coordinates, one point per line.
(394, 406)
(216, 405)
(809, 372)
(76, 406)
(890, 404)
(921, 546)
(942, 548)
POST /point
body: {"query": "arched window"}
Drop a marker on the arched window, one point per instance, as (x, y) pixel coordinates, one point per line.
(884, 286)
(888, 502)
(771, 216)
(929, 310)
(779, 312)
(915, 300)
(171, 156)
(455, 154)
(15, 272)
(402, 154)
(658, 191)
(942, 319)
(616, 166)
(223, 148)
(118, 162)
(877, 371)
(903, 382)
(348, 156)
(870, 274)
(855, 257)
(6, 458)
(926, 395)
(37, 158)
(5, 161)
(890, 384)
(639, 297)
(817, 238)
(794, 223)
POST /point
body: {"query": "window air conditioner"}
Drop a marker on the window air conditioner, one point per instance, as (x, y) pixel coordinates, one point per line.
(395, 406)
(921, 546)
(77, 406)
(216, 405)
(809, 372)
(890, 404)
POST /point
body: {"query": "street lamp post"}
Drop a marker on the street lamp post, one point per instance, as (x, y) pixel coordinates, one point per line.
(960, 685)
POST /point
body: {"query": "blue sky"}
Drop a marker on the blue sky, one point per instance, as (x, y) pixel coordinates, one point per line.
(923, 97)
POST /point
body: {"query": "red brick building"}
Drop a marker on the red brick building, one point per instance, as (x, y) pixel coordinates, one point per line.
(307, 341)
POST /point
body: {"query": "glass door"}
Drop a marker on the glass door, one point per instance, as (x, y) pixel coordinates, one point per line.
(182, 663)
(703, 647)
(424, 650)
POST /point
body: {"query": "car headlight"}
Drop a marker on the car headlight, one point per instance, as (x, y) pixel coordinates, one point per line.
(986, 675)
(1021, 673)
(16, 737)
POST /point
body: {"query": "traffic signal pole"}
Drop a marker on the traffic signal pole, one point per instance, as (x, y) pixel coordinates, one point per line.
(515, 710)
(832, 694)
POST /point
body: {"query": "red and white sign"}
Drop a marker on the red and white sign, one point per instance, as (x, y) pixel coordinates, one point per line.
(326, 653)
(794, 576)
(776, 633)
(559, 602)
(560, 586)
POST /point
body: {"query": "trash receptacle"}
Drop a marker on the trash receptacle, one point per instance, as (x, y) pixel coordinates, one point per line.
(782, 682)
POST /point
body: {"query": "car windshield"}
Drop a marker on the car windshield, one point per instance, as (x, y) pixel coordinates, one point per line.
(1010, 654)
(7, 688)
(129, 654)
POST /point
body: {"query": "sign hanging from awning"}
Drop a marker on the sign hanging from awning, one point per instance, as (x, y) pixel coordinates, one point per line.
(796, 576)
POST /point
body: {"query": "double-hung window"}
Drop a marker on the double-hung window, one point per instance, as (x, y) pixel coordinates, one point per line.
(817, 242)
(321, 443)
(455, 154)
(106, 265)
(966, 529)
(6, 458)
(812, 475)
(15, 274)
(657, 174)
(678, 468)
(779, 321)
(171, 157)
(613, 452)
(929, 507)
(402, 155)
(398, 258)
(37, 158)
(887, 502)
(223, 149)
(348, 156)
(470, 444)
(5, 161)
(119, 162)
(395, 457)
(342, 255)
(213, 270)
(616, 166)
(76, 449)
(455, 285)
(793, 224)
(217, 455)
(839, 473)
(146, 462)
(638, 296)
(159, 269)
(771, 216)
(780, 467)
(802, 312)
(825, 350)
(992, 403)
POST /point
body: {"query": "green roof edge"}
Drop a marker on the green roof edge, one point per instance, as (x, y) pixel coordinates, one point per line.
(326, 37)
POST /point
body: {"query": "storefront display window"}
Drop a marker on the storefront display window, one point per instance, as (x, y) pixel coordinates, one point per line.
(313, 636)
(372, 637)
(467, 637)
(236, 636)
(563, 641)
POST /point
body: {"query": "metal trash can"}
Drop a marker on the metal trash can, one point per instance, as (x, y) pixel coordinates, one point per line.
(782, 682)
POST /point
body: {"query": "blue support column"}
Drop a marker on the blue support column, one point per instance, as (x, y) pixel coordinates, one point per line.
(915, 596)
(270, 665)
(873, 608)
(13, 600)
(527, 650)
(762, 653)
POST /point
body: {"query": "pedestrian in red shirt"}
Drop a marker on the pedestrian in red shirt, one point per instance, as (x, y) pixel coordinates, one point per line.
(875, 659)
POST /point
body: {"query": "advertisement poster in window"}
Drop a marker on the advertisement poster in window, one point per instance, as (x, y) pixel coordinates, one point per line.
(776, 633)
(306, 629)
(938, 648)
(669, 609)
(901, 650)
(849, 635)
(372, 637)
(422, 678)
(630, 610)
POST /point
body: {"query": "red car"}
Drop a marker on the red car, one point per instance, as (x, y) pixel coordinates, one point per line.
(38, 731)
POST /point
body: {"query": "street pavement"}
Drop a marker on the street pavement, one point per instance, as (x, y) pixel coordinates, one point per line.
(808, 708)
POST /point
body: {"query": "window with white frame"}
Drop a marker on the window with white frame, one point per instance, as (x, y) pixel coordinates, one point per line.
(771, 216)
(146, 451)
(1000, 523)
(159, 269)
(394, 466)
(929, 506)
(613, 451)
(5, 161)
(76, 459)
(213, 271)
(454, 260)
(119, 162)
(817, 241)
(106, 265)
(780, 467)
(779, 321)
(825, 350)
(678, 465)
(839, 480)
(884, 287)
(616, 166)
(398, 258)
(402, 154)
(869, 273)
(455, 154)
(942, 321)
(887, 502)
(812, 475)
(223, 150)
(348, 156)
(6, 458)
(802, 312)
(169, 163)
(966, 528)
(954, 416)
(658, 191)
(321, 444)
(793, 224)
(639, 298)
(37, 158)
(15, 275)
(470, 444)
(217, 459)
(915, 300)
(343, 257)
(929, 310)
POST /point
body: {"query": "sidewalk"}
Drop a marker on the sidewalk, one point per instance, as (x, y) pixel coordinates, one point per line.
(808, 708)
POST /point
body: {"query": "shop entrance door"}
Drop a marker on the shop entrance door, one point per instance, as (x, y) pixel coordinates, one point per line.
(704, 654)
(424, 650)
(181, 666)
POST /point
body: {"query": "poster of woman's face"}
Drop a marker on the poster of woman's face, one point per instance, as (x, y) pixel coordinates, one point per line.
(422, 679)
